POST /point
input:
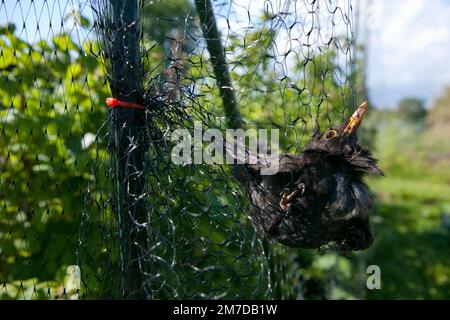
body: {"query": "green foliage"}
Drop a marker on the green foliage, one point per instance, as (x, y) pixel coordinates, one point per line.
(166, 20)
(57, 193)
(50, 97)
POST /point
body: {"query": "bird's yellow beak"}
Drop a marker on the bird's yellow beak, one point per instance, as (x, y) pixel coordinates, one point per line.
(355, 120)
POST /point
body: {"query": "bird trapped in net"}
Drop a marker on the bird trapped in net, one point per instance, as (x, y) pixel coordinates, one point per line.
(319, 196)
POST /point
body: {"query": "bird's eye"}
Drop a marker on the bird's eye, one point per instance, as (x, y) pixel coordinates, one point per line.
(330, 134)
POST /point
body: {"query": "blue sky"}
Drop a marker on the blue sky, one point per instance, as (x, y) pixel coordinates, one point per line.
(409, 49)
(409, 41)
(43, 13)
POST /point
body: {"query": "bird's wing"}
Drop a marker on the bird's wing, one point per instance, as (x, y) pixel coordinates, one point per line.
(251, 173)
(364, 162)
(291, 162)
(286, 163)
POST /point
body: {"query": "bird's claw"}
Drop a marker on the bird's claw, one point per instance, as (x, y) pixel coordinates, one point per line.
(287, 197)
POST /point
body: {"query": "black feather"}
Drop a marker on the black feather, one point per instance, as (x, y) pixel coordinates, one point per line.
(316, 197)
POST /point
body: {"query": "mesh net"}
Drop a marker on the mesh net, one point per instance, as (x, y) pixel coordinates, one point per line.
(92, 205)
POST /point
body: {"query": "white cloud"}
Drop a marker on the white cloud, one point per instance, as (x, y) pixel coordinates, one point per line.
(409, 50)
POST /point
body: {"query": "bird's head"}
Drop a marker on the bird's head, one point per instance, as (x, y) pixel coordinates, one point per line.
(342, 138)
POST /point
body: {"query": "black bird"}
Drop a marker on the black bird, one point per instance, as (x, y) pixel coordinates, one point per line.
(319, 196)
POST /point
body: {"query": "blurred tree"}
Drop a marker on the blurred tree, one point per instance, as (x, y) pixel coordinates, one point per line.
(412, 109)
(440, 109)
(437, 130)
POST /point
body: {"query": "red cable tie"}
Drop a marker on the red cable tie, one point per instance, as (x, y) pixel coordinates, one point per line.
(113, 102)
